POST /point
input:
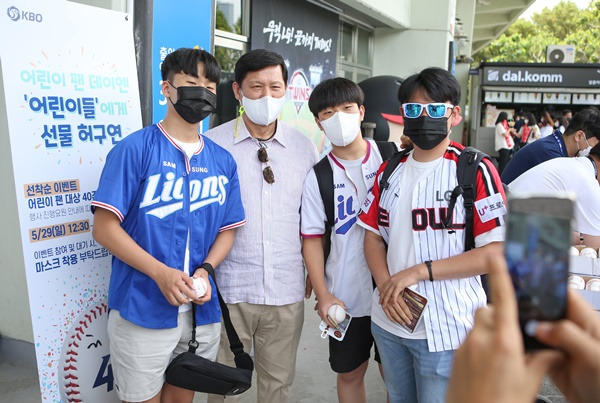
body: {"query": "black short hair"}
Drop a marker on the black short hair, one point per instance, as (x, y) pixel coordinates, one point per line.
(439, 84)
(258, 59)
(587, 120)
(185, 60)
(566, 111)
(334, 92)
(502, 116)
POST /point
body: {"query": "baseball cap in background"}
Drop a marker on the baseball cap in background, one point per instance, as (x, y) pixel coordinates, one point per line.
(393, 118)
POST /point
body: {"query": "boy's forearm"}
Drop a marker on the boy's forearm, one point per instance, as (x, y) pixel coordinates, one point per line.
(314, 259)
(220, 247)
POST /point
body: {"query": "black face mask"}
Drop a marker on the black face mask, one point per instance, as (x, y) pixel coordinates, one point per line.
(194, 103)
(426, 132)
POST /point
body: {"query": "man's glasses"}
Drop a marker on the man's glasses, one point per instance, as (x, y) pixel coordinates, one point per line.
(436, 110)
(264, 158)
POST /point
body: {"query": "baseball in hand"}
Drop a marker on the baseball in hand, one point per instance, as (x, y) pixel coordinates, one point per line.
(201, 287)
(336, 313)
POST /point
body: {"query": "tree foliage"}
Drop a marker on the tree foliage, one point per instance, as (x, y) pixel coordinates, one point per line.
(565, 24)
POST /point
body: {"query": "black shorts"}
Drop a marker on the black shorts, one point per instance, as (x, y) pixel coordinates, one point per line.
(350, 353)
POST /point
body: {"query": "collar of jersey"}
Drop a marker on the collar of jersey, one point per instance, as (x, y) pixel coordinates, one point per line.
(164, 132)
(364, 161)
(244, 134)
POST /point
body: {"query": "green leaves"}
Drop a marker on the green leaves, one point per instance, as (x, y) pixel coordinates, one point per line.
(565, 24)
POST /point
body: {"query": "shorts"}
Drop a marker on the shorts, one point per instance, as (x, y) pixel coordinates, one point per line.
(350, 353)
(140, 356)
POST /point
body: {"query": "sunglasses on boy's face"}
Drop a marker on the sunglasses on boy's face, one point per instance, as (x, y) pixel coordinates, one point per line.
(436, 110)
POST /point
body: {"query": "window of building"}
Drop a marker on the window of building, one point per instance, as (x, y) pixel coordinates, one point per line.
(232, 28)
(355, 60)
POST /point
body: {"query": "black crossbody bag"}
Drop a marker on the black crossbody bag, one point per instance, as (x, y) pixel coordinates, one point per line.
(192, 372)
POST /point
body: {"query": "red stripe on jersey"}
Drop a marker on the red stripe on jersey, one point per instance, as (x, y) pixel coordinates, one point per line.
(368, 154)
(109, 208)
(303, 235)
(231, 226)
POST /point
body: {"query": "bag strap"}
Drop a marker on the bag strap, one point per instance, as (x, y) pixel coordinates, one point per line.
(468, 163)
(386, 149)
(242, 359)
(324, 175)
(393, 162)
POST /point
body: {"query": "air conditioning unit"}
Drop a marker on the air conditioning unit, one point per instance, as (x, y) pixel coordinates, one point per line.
(560, 54)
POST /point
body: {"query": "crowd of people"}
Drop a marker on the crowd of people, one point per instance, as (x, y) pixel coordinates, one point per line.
(245, 199)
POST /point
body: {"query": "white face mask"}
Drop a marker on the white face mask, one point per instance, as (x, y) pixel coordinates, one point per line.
(342, 128)
(585, 152)
(263, 111)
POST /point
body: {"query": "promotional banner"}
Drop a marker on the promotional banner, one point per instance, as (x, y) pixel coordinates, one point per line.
(71, 94)
(306, 36)
(184, 24)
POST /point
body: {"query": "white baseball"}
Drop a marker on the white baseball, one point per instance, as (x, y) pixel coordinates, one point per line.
(574, 251)
(588, 252)
(576, 282)
(201, 287)
(593, 284)
(84, 369)
(337, 313)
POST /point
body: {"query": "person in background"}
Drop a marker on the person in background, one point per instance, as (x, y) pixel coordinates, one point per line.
(492, 366)
(503, 140)
(262, 280)
(528, 133)
(567, 115)
(163, 231)
(580, 135)
(520, 120)
(546, 124)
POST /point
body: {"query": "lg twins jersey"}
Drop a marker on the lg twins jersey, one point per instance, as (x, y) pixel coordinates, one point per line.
(346, 272)
(160, 196)
(451, 303)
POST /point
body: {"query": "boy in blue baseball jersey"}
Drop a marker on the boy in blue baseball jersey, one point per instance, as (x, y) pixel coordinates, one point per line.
(166, 206)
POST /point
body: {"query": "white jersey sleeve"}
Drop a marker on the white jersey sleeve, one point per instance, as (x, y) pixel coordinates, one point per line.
(312, 213)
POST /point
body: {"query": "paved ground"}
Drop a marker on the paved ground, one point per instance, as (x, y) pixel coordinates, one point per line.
(314, 382)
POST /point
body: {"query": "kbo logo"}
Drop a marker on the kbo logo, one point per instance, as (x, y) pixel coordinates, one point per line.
(15, 14)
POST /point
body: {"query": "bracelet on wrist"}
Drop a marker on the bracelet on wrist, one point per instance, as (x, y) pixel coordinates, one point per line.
(428, 264)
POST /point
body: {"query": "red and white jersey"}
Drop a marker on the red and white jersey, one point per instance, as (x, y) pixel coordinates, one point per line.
(409, 218)
(346, 272)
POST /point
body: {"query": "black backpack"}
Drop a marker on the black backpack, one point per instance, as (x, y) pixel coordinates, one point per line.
(466, 173)
(324, 175)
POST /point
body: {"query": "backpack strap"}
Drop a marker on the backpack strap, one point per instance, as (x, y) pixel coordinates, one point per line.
(468, 163)
(386, 149)
(392, 164)
(324, 175)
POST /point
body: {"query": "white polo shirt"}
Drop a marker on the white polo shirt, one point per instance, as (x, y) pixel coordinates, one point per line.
(575, 175)
(347, 275)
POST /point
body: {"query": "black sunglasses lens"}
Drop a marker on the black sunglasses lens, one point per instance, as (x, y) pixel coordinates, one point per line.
(268, 175)
(262, 155)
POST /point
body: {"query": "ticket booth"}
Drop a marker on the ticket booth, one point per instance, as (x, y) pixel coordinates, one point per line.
(530, 87)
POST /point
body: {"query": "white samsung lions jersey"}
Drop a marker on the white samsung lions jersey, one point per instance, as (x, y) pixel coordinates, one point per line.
(346, 272)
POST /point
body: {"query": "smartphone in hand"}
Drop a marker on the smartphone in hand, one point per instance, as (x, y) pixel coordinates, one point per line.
(537, 246)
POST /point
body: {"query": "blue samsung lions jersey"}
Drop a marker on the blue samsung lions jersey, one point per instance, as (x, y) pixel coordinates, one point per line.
(160, 196)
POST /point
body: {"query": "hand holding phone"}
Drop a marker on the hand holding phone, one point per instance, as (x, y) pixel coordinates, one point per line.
(537, 253)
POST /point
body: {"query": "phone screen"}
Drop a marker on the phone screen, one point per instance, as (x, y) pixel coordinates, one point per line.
(537, 253)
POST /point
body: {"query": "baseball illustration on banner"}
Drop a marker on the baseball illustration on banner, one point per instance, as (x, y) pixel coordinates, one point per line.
(85, 373)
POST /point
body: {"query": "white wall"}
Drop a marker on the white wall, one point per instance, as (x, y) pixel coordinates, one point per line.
(424, 44)
(15, 318)
(394, 13)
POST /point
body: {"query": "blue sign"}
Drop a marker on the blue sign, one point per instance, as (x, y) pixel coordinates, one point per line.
(174, 29)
